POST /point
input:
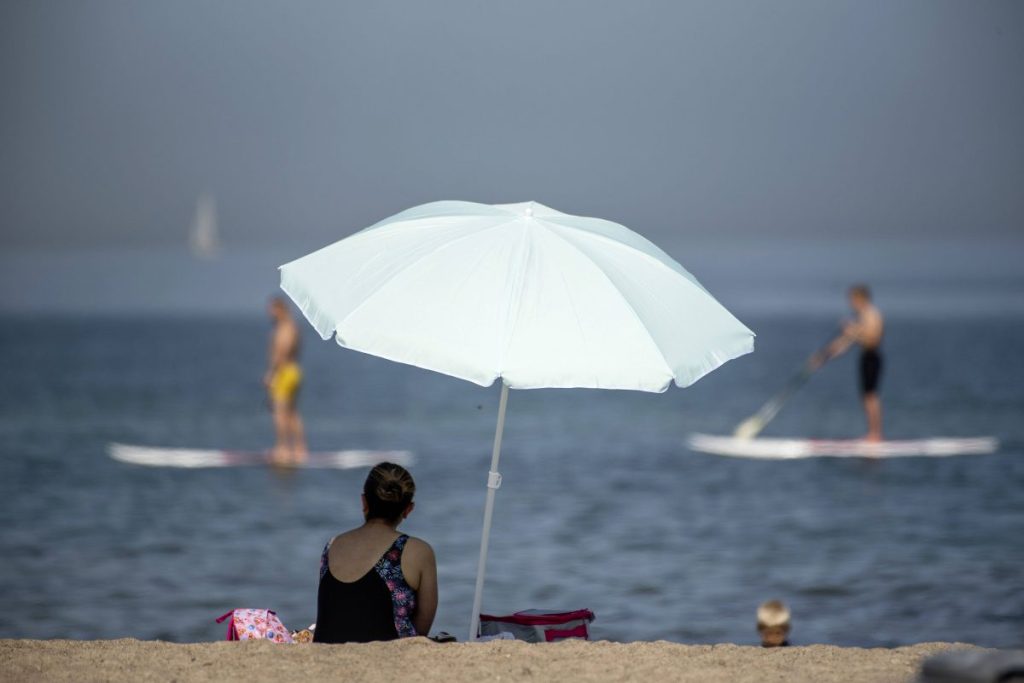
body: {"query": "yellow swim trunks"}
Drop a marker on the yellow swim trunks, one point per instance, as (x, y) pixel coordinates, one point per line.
(286, 382)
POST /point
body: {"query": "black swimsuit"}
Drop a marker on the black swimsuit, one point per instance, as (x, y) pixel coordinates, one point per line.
(379, 606)
(870, 370)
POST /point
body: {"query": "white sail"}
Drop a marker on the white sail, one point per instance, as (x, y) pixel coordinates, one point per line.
(203, 237)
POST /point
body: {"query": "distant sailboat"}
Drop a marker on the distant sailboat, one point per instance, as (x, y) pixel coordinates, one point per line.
(203, 238)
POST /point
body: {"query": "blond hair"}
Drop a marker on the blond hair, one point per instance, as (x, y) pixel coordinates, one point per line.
(861, 290)
(773, 614)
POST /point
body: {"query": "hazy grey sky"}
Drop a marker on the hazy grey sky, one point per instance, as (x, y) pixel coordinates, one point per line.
(310, 120)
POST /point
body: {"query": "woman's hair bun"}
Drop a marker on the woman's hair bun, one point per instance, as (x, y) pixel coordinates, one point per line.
(388, 489)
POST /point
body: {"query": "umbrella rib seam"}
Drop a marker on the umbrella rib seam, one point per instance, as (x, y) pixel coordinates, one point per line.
(622, 297)
(515, 303)
(554, 220)
(441, 247)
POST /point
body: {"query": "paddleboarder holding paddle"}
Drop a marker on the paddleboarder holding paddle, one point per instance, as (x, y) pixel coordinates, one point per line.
(866, 331)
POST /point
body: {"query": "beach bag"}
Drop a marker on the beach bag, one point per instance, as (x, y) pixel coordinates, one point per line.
(255, 624)
(539, 626)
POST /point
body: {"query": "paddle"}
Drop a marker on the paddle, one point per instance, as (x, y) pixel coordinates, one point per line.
(753, 425)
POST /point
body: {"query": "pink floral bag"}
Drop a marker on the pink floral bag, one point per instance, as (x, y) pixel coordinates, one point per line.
(255, 624)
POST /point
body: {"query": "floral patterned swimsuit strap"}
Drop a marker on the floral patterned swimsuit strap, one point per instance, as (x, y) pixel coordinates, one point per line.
(324, 562)
(403, 597)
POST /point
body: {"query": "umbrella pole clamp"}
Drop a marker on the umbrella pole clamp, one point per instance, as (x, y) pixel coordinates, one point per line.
(494, 480)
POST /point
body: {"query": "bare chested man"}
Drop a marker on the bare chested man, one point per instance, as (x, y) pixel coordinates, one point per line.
(866, 331)
(283, 379)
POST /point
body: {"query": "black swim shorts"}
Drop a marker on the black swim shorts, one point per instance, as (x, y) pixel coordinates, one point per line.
(870, 371)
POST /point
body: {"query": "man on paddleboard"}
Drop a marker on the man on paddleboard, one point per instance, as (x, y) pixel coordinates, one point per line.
(283, 379)
(866, 331)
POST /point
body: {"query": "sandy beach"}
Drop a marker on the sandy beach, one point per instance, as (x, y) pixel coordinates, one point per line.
(422, 660)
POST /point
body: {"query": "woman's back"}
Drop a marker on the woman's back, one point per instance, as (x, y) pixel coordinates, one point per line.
(376, 605)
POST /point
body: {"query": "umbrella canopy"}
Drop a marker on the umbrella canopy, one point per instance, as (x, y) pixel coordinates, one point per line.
(518, 291)
(523, 292)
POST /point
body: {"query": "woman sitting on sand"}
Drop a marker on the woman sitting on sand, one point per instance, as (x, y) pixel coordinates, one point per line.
(375, 582)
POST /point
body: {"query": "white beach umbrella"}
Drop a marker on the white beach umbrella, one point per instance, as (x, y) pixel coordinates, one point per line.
(520, 292)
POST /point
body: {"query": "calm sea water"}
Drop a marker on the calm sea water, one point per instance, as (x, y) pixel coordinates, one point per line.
(602, 505)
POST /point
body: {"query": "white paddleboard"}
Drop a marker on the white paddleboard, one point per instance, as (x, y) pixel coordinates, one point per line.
(197, 458)
(788, 449)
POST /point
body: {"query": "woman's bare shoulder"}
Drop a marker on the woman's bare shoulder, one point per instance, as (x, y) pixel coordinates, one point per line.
(341, 538)
(419, 547)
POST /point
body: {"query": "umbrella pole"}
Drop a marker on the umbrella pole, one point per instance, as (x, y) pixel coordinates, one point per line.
(493, 482)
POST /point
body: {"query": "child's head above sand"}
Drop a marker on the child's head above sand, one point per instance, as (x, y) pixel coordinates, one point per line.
(773, 623)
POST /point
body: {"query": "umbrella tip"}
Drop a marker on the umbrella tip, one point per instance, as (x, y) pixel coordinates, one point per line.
(529, 209)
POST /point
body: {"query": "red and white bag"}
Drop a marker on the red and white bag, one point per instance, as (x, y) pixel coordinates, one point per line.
(255, 624)
(539, 626)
